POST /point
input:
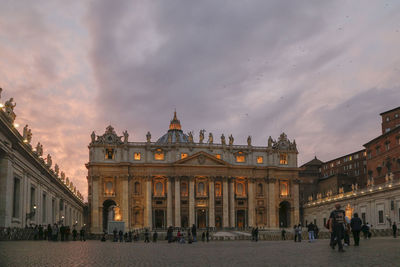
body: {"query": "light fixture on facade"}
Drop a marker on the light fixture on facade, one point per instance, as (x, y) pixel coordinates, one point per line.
(1, 105)
(16, 125)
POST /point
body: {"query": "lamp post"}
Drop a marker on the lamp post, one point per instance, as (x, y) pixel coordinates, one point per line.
(30, 215)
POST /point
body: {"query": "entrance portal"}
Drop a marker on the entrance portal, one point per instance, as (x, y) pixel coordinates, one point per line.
(201, 218)
(159, 219)
(284, 214)
(108, 212)
(240, 218)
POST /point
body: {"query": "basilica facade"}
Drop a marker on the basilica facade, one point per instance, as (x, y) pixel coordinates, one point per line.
(178, 182)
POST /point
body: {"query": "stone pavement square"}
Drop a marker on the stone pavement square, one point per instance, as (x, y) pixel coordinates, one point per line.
(374, 252)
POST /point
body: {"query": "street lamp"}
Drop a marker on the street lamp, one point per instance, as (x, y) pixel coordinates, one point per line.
(30, 215)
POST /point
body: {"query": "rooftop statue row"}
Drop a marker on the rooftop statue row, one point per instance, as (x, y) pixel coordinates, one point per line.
(8, 109)
(175, 135)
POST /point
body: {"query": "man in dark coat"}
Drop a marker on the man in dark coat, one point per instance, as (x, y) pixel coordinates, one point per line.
(194, 233)
(355, 225)
(337, 226)
(394, 228)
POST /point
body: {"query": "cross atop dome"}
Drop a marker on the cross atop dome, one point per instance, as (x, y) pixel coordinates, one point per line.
(175, 123)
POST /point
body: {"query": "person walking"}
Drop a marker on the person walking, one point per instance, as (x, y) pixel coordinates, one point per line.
(194, 233)
(82, 234)
(296, 232)
(310, 229)
(115, 232)
(146, 236)
(207, 235)
(121, 235)
(394, 228)
(355, 225)
(283, 234)
(337, 226)
(155, 236)
(299, 231)
(49, 232)
(256, 234)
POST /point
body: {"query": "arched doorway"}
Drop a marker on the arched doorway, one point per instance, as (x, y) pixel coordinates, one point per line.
(108, 212)
(201, 218)
(159, 221)
(240, 218)
(284, 214)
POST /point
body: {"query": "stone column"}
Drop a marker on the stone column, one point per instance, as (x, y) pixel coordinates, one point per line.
(169, 202)
(295, 194)
(232, 216)
(125, 201)
(225, 208)
(177, 202)
(271, 203)
(191, 202)
(211, 203)
(6, 184)
(149, 210)
(96, 228)
(250, 199)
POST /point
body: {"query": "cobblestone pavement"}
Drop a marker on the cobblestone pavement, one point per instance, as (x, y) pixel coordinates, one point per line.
(375, 252)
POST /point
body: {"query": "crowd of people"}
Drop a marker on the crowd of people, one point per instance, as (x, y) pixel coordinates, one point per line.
(180, 237)
(43, 232)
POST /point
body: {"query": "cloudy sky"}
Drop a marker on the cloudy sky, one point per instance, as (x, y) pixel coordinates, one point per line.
(321, 71)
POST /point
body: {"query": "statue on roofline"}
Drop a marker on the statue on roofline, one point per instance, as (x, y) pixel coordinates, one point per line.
(9, 109)
(210, 138)
(223, 141)
(39, 149)
(1, 90)
(190, 137)
(93, 137)
(231, 139)
(270, 141)
(148, 137)
(249, 140)
(29, 136)
(56, 169)
(126, 135)
(62, 176)
(49, 160)
(201, 136)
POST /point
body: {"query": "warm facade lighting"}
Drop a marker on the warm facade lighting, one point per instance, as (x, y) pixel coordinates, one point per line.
(218, 156)
(16, 125)
(260, 159)
(283, 159)
(240, 157)
(184, 155)
(136, 156)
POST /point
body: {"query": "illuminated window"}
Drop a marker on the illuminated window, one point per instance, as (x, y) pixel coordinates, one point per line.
(218, 189)
(283, 159)
(331, 165)
(159, 189)
(159, 155)
(184, 155)
(350, 158)
(260, 159)
(109, 188)
(136, 156)
(218, 156)
(109, 153)
(240, 189)
(240, 157)
(184, 189)
(387, 146)
(284, 188)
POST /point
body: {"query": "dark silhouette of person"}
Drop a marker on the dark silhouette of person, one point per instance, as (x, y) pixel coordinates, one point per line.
(355, 225)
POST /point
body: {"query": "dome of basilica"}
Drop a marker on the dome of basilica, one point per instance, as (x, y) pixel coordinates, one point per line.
(174, 134)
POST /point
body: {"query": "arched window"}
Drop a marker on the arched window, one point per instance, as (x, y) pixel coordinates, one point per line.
(159, 189)
(200, 188)
(259, 189)
(137, 188)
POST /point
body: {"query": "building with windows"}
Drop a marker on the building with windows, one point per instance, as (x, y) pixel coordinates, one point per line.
(178, 182)
(31, 192)
(376, 197)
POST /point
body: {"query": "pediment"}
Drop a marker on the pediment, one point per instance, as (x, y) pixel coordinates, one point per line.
(201, 158)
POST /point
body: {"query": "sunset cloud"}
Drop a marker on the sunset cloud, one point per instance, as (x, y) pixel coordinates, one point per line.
(321, 71)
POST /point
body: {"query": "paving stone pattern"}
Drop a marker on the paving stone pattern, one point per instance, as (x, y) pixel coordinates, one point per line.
(374, 252)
